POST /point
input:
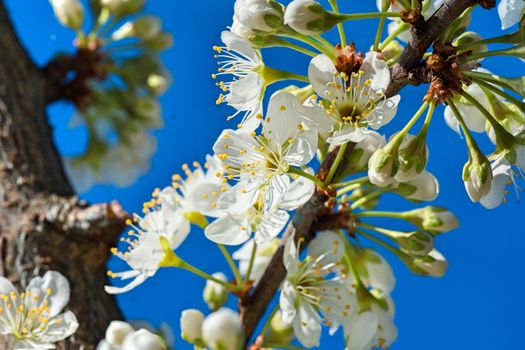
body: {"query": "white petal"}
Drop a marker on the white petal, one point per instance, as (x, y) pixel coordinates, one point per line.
(384, 112)
(347, 134)
(57, 284)
(235, 43)
(281, 118)
(380, 275)
(321, 72)
(287, 302)
(377, 71)
(61, 327)
(271, 226)
(451, 120)
(118, 290)
(228, 230)
(299, 192)
(307, 327)
(510, 11)
(328, 243)
(502, 172)
(6, 286)
(361, 331)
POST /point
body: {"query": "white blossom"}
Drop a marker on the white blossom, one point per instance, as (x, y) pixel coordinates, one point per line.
(356, 102)
(245, 91)
(316, 290)
(301, 14)
(263, 256)
(142, 340)
(32, 318)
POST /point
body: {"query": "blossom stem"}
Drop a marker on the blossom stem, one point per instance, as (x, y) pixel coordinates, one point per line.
(495, 79)
(380, 214)
(184, 265)
(348, 189)
(404, 3)
(250, 264)
(297, 171)
(352, 16)
(403, 27)
(272, 75)
(501, 133)
(367, 198)
(335, 165)
(316, 45)
(340, 28)
(383, 244)
(399, 137)
(231, 263)
(298, 48)
(514, 51)
(379, 33)
(471, 142)
(505, 39)
(351, 182)
(323, 41)
(520, 104)
(349, 251)
(414, 4)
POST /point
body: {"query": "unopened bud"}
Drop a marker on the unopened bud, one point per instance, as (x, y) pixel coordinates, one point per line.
(424, 188)
(122, 8)
(279, 332)
(214, 294)
(308, 17)
(191, 325)
(143, 339)
(434, 264)
(117, 331)
(383, 165)
(477, 176)
(260, 15)
(223, 330)
(145, 27)
(69, 13)
(432, 219)
(413, 157)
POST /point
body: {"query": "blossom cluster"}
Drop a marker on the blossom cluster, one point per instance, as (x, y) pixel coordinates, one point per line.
(322, 141)
(115, 80)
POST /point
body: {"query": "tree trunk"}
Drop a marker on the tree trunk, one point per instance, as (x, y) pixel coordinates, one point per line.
(43, 225)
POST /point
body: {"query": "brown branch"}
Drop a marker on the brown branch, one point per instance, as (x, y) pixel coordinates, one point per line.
(253, 306)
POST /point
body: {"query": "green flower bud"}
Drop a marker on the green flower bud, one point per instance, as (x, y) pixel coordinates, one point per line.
(191, 325)
(434, 264)
(383, 165)
(279, 332)
(145, 27)
(477, 176)
(265, 16)
(214, 294)
(161, 42)
(122, 8)
(392, 51)
(413, 157)
(70, 13)
(308, 17)
(432, 219)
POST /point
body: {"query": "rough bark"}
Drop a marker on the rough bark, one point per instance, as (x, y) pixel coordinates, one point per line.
(253, 305)
(42, 224)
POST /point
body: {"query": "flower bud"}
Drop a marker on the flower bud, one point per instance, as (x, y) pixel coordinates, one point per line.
(477, 176)
(261, 15)
(161, 42)
(117, 332)
(308, 17)
(70, 13)
(191, 325)
(159, 82)
(383, 165)
(223, 330)
(434, 264)
(214, 294)
(416, 243)
(392, 50)
(122, 8)
(432, 219)
(413, 157)
(424, 188)
(143, 339)
(145, 27)
(279, 332)
(364, 149)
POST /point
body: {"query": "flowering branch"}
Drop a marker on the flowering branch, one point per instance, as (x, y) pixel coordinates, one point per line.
(255, 304)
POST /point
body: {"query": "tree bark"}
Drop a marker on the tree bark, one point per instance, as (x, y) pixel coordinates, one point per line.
(43, 226)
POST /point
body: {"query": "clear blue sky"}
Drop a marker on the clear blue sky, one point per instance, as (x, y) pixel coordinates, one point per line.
(477, 305)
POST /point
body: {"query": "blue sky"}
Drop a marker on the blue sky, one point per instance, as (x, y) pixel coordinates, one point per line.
(476, 305)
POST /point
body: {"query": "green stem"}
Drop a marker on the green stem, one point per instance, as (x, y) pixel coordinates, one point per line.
(340, 28)
(379, 33)
(323, 41)
(316, 45)
(348, 189)
(373, 238)
(231, 263)
(471, 142)
(404, 3)
(498, 128)
(250, 265)
(506, 39)
(399, 137)
(353, 16)
(520, 104)
(494, 79)
(335, 165)
(379, 214)
(281, 346)
(351, 182)
(365, 199)
(184, 265)
(272, 75)
(297, 171)
(298, 48)
(504, 52)
(414, 4)
(403, 27)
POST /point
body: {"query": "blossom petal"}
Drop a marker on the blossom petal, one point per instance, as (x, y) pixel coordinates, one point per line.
(361, 331)
(229, 230)
(377, 71)
(307, 326)
(57, 285)
(61, 327)
(271, 226)
(321, 72)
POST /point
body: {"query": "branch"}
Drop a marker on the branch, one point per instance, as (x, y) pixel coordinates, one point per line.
(253, 306)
